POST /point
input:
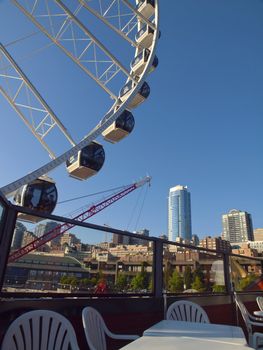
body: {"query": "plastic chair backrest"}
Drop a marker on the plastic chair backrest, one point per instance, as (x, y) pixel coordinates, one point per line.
(184, 310)
(245, 314)
(260, 303)
(40, 330)
(94, 327)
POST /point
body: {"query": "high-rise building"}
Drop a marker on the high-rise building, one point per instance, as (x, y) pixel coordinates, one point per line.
(18, 235)
(43, 228)
(179, 214)
(46, 227)
(237, 226)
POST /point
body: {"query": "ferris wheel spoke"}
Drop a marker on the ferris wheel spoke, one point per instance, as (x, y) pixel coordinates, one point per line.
(27, 102)
(64, 28)
(116, 21)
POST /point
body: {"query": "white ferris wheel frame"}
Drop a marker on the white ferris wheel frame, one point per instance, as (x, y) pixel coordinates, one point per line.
(111, 115)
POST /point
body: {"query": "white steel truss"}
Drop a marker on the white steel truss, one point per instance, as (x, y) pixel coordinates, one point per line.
(61, 23)
(27, 102)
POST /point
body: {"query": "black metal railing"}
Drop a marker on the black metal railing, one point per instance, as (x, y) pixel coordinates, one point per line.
(158, 265)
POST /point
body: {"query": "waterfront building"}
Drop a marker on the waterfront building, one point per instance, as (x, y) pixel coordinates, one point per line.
(244, 248)
(70, 240)
(237, 226)
(179, 214)
(258, 245)
(216, 243)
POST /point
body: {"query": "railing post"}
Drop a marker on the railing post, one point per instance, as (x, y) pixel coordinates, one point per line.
(6, 237)
(228, 284)
(158, 268)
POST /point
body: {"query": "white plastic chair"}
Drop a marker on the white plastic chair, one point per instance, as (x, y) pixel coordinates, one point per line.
(254, 339)
(39, 330)
(260, 303)
(184, 310)
(96, 330)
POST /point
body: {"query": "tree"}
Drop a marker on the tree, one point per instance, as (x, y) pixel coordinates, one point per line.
(198, 284)
(199, 272)
(167, 274)
(139, 282)
(121, 282)
(188, 277)
(176, 282)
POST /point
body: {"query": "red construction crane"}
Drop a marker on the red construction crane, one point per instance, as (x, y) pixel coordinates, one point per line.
(86, 214)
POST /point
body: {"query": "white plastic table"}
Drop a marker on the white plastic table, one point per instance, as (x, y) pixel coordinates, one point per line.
(171, 342)
(208, 331)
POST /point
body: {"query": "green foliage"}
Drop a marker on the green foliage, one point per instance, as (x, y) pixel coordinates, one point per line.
(198, 284)
(93, 281)
(198, 273)
(71, 280)
(176, 282)
(245, 282)
(218, 288)
(139, 281)
(167, 274)
(121, 282)
(188, 277)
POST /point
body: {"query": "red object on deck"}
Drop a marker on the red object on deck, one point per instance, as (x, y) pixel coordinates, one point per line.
(101, 287)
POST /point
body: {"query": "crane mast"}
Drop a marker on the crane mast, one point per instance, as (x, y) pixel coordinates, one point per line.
(83, 216)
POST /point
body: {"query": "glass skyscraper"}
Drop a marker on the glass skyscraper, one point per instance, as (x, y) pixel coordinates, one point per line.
(179, 214)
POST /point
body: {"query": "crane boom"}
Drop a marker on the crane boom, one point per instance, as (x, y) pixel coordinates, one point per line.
(85, 215)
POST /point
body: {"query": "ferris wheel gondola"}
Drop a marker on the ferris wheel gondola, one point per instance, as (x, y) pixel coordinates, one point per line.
(144, 36)
(140, 61)
(40, 195)
(146, 8)
(88, 161)
(121, 128)
(139, 98)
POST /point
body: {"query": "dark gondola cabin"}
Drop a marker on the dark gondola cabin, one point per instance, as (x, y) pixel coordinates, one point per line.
(120, 128)
(41, 195)
(140, 97)
(146, 8)
(139, 62)
(88, 161)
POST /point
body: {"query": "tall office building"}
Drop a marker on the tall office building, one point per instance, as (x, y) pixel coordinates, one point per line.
(237, 226)
(46, 227)
(179, 214)
(18, 235)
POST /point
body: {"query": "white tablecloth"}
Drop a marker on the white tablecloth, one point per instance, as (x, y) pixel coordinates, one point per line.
(208, 331)
(171, 342)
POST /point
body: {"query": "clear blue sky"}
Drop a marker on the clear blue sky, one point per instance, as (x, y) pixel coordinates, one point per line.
(201, 126)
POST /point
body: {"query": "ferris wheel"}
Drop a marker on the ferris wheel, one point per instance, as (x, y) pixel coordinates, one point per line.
(122, 79)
